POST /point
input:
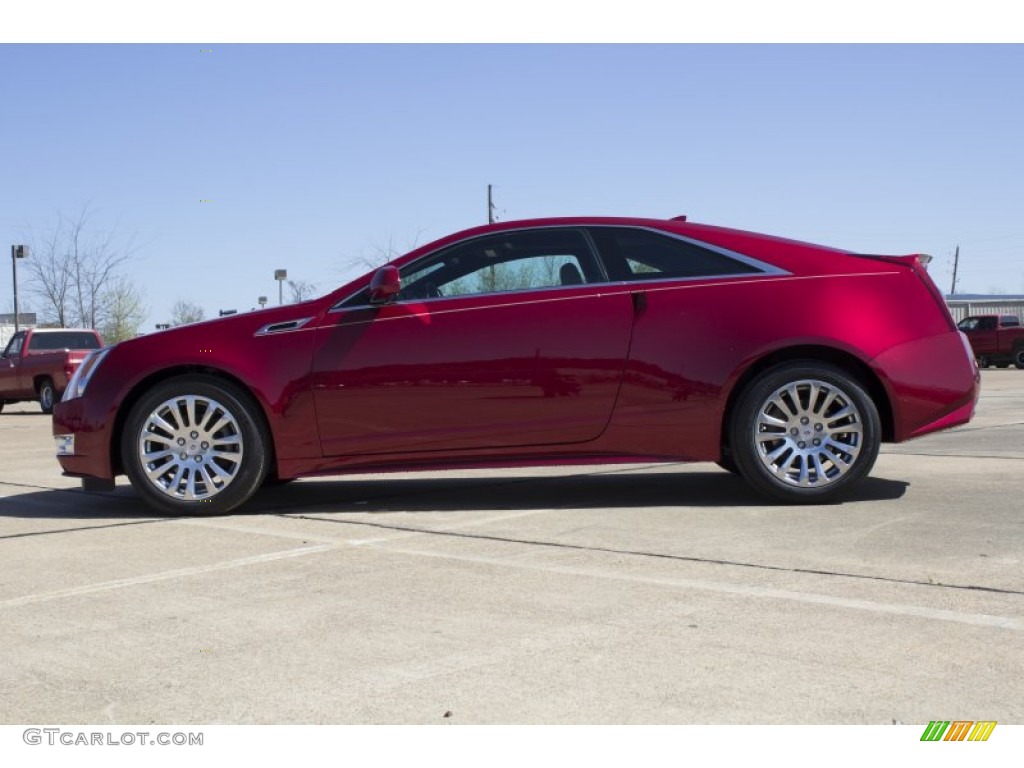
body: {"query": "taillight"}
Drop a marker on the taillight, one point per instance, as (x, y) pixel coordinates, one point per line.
(920, 264)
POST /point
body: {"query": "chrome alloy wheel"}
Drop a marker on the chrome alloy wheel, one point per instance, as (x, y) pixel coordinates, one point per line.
(808, 433)
(190, 447)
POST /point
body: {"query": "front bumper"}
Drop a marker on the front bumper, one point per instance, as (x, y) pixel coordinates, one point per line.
(83, 439)
(65, 445)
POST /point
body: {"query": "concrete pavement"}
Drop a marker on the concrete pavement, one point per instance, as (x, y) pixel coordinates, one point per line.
(626, 594)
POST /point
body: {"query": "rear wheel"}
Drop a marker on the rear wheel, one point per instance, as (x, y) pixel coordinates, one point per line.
(1018, 357)
(804, 432)
(47, 396)
(195, 445)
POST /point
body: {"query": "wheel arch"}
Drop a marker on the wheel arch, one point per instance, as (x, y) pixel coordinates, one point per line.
(837, 357)
(141, 387)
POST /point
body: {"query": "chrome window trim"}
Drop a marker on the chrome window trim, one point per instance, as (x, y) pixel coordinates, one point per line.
(599, 290)
(764, 268)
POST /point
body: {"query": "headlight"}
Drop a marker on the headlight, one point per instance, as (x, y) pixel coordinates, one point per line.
(78, 383)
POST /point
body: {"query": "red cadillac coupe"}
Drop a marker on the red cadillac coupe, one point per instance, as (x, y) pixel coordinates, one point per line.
(551, 341)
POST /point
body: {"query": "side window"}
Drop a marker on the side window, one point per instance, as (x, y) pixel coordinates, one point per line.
(639, 254)
(513, 261)
(1011, 321)
(968, 324)
(14, 346)
(986, 324)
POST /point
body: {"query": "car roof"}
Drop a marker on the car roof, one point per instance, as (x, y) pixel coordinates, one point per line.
(724, 236)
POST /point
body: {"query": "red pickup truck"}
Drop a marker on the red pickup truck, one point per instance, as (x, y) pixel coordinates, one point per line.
(38, 363)
(996, 339)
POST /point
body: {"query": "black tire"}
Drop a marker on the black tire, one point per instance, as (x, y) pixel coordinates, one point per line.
(984, 362)
(2, 404)
(728, 463)
(47, 395)
(220, 448)
(806, 397)
(271, 481)
(1018, 358)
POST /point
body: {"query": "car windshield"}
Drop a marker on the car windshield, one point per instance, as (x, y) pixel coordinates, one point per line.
(63, 340)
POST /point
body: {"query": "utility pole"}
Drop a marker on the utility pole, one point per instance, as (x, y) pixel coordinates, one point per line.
(492, 280)
(956, 263)
(17, 252)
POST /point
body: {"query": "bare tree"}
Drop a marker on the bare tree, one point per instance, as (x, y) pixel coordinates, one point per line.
(72, 269)
(124, 311)
(381, 253)
(302, 290)
(510, 276)
(184, 312)
(49, 277)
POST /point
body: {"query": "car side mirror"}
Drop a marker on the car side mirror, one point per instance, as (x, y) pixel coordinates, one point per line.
(385, 285)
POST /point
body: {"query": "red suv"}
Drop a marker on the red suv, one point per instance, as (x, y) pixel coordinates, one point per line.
(551, 341)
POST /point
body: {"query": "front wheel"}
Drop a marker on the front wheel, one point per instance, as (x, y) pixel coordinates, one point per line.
(728, 463)
(984, 362)
(47, 396)
(804, 432)
(195, 445)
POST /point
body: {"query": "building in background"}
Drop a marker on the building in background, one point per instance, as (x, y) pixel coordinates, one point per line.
(963, 305)
(25, 320)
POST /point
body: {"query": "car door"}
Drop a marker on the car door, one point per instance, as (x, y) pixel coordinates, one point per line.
(502, 341)
(985, 337)
(10, 367)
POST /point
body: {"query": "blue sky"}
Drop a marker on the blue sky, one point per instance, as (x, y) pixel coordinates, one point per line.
(314, 156)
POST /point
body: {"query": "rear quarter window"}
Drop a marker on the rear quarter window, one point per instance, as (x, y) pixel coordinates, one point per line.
(640, 254)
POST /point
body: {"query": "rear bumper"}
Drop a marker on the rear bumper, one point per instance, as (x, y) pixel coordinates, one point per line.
(933, 384)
